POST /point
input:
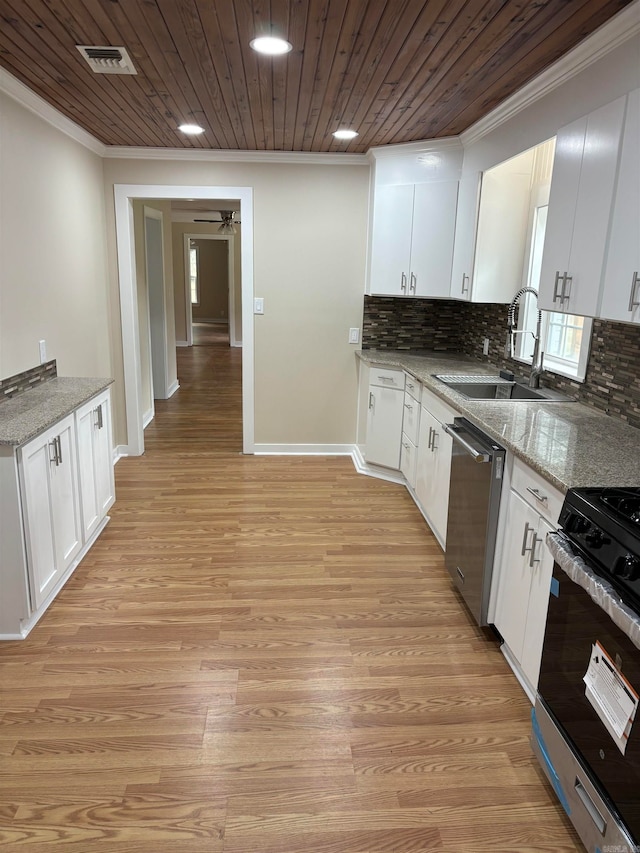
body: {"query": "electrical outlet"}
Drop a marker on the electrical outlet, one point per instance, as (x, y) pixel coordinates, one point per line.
(354, 336)
(258, 305)
(485, 346)
(43, 351)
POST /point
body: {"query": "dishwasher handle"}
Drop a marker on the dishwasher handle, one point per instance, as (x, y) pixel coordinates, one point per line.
(477, 455)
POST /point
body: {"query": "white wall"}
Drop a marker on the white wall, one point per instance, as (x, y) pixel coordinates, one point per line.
(53, 280)
(310, 226)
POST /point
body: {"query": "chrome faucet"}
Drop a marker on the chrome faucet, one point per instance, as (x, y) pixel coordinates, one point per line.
(538, 357)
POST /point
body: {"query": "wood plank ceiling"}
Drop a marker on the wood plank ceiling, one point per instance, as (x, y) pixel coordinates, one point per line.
(394, 70)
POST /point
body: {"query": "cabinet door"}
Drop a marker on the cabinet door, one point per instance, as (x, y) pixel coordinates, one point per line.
(411, 417)
(442, 444)
(50, 506)
(391, 240)
(538, 604)
(621, 284)
(584, 172)
(425, 460)
(408, 460)
(515, 573)
(384, 426)
(36, 461)
(95, 464)
(434, 222)
(65, 497)
(103, 450)
(465, 235)
(85, 423)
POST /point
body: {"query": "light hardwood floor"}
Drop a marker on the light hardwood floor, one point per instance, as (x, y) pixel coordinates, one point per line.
(262, 654)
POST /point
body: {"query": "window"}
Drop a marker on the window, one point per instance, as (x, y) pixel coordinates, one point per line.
(193, 275)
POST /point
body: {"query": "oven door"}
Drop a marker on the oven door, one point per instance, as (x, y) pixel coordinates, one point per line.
(575, 623)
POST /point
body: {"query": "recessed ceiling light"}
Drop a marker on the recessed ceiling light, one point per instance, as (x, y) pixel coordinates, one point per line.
(191, 129)
(345, 134)
(271, 45)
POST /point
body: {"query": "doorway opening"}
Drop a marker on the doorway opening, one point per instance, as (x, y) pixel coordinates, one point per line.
(125, 194)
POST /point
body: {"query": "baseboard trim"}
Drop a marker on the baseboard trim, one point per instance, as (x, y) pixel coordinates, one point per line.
(119, 452)
(173, 388)
(363, 467)
(147, 418)
(515, 667)
(302, 449)
(182, 343)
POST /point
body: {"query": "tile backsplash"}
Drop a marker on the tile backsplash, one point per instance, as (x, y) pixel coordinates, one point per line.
(612, 382)
(13, 385)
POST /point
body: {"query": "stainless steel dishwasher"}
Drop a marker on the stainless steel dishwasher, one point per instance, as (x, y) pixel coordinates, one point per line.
(477, 465)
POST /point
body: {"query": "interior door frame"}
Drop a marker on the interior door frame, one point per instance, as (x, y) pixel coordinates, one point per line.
(229, 240)
(156, 215)
(124, 196)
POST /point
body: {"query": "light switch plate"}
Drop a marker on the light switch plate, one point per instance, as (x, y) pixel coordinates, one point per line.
(354, 336)
(43, 351)
(258, 305)
(485, 346)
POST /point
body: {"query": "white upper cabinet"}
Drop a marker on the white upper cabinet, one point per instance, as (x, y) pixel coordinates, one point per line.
(580, 203)
(621, 282)
(391, 240)
(465, 236)
(413, 218)
(412, 239)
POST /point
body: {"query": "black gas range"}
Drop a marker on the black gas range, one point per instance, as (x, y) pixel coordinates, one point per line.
(603, 525)
(584, 727)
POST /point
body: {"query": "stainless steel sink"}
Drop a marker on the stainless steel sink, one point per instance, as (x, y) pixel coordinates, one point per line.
(479, 387)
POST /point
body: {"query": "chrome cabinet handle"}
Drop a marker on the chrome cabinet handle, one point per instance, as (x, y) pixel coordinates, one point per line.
(434, 446)
(98, 413)
(532, 555)
(465, 278)
(414, 283)
(566, 280)
(431, 431)
(371, 399)
(386, 379)
(556, 295)
(59, 454)
(53, 457)
(403, 282)
(537, 495)
(527, 530)
(633, 302)
(407, 406)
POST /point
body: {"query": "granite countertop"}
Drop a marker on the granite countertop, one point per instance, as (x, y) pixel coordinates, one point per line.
(24, 416)
(569, 444)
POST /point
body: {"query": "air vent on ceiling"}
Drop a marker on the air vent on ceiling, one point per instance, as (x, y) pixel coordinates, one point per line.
(105, 59)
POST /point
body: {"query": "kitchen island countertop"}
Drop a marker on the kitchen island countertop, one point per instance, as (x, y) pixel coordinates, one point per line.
(569, 444)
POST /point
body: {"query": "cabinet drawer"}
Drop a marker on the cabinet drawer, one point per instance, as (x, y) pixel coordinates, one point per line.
(411, 417)
(408, 458)
(413, 387)
(536, 491)
(386, 378)
(438, 408)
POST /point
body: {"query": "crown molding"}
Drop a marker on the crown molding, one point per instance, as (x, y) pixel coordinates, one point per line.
(28, 99)
(210, 155)
(423, 146)
(619, 29)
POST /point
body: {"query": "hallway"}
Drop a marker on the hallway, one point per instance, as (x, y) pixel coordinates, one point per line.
(262, 655)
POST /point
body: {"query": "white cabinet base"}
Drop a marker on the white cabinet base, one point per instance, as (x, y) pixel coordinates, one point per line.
(24, 626)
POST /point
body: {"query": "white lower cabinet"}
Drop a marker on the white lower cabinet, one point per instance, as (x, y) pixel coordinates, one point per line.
(525, 569)
(93, 422)
(384, 417)
(433, 465)
(55, 492)
(51, 509)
